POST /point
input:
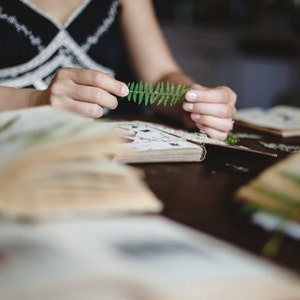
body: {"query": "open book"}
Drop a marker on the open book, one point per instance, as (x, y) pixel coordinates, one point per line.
(279, 120)
(150, 142)
(56, 162)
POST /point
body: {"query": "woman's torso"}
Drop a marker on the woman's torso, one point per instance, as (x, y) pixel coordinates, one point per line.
(35, 45)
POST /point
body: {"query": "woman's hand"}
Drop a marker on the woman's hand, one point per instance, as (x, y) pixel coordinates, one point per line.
(211, 109)
(84, 91)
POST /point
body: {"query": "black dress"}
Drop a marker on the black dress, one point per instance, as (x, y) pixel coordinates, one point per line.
(34, 46)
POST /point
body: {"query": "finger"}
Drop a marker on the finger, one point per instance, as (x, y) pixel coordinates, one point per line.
(216, 123)
(218, 110)
(94, 78)
(94, 95)
(91, 110)
(221, 94)
(213, 133)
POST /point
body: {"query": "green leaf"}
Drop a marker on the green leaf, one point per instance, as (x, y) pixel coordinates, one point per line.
(141, 92)
(157, 88)
(163, 93)
(130, 87)
(147, 95)
(135, 92)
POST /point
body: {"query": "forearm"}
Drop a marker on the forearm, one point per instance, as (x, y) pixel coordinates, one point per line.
(176, 112)
(177, 77)
(17, 98)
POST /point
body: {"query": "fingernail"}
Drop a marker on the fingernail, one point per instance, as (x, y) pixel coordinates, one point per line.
(191, 95)
(124, 90)
(188, 106)
(195, 117)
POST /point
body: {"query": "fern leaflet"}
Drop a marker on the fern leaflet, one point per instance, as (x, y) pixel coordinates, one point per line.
(163, 93)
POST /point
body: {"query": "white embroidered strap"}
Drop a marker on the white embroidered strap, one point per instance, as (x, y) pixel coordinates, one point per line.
(35, 41)
(63, 51)
(92, 40)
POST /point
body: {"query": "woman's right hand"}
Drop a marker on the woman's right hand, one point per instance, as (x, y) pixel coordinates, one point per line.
(84, 91)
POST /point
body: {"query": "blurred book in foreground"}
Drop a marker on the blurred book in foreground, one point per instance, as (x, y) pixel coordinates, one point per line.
(279, 120)
(132, 258)
(56, 162)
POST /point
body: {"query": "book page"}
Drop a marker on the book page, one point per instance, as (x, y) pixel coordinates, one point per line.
(151, 143)
(22, 130)
(153, 136)
(144, 136)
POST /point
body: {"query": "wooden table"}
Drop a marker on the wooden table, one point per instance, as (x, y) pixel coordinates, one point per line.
(200, 195)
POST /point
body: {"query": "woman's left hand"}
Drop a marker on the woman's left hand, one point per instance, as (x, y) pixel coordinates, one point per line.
(211, 109)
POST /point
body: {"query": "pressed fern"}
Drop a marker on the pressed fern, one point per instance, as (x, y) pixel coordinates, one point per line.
(163, 93)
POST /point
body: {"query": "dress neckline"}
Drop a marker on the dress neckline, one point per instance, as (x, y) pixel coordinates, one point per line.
(52, 19)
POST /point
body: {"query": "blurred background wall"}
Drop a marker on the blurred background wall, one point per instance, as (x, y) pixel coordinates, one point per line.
(250, 45)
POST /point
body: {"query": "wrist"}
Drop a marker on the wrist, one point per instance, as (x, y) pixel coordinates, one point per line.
(37, 98)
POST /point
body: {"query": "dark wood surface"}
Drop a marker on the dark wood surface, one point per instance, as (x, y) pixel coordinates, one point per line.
(201, 195)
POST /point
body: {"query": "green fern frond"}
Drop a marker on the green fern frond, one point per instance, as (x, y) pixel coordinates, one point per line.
(163, 93)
